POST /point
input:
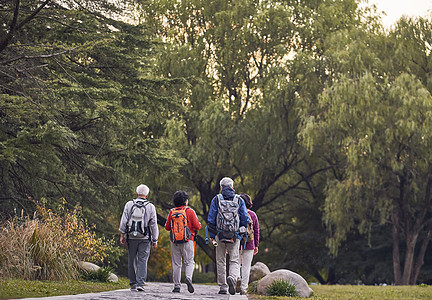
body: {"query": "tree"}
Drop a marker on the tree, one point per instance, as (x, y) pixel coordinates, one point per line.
(240, 101)
(80, 110)
(374, 116)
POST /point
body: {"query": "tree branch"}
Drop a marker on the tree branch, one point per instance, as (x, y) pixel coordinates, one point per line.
(32, 15)
(36, 56)
(8, 38)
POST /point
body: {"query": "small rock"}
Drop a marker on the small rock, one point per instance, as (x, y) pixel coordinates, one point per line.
(258, 271)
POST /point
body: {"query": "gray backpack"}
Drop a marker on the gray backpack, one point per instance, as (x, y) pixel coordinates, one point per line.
(137, 226)
(228, 220)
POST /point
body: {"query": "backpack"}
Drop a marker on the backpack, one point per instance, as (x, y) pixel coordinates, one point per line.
(180, 232)
(250, 230)
(136, 226)
(227, 220)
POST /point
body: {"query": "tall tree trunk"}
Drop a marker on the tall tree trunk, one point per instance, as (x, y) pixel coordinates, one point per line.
(411, 239)
(420, 257)
(396, 254)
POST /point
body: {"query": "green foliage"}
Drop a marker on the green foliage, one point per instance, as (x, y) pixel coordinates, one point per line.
(311, 107)
(101, 274)
(81, 114)
(281, 287)
(252, 287)
(372, 119)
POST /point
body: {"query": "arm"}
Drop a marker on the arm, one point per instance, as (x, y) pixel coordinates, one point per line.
(153, 226)
(124, 217)
(256, 231)
(211, 219)
(243, 214)
(122, 227)
(192, 217)
(168, 222)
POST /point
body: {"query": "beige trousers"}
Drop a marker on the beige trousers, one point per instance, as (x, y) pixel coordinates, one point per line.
(233, 251)
(179, 251)
(245, 268)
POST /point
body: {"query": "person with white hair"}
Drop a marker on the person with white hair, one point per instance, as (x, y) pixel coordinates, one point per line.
(225, 230)
(139, 230)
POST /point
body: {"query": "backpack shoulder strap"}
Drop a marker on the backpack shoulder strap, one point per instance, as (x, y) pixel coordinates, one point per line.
(237, 199)
(129, 215)
(177, 209)
(219, 198)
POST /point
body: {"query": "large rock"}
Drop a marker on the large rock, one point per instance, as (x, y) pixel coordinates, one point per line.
(258, 271)
(300, 284)
(87, 266)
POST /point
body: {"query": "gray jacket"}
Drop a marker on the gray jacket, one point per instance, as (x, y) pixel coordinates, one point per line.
(150, 216)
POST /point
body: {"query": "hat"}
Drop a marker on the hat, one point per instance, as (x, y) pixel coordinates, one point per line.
(142, 189)
(226, 181)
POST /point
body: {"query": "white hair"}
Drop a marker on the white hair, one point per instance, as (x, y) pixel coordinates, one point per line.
(226, 181)
(142, 189)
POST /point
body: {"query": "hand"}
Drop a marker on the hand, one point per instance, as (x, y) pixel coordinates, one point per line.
(255, 250)
(122, 240)
(154, 245)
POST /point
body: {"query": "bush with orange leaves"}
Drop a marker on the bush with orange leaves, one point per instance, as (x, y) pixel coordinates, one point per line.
(49, 245)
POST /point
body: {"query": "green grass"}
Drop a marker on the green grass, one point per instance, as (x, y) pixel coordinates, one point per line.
(357, 292)
(18, 288)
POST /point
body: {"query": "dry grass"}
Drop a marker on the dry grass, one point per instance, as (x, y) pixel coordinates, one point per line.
(47, 246)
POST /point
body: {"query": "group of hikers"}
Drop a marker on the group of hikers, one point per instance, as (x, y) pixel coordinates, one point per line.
(232, 228)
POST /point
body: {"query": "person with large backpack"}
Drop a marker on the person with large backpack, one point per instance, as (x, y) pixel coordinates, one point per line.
(249, 247)
(227, 219)
(139, 230)
(183, 224)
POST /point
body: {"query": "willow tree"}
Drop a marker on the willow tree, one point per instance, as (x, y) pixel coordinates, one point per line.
(239, 111)
(375, 117)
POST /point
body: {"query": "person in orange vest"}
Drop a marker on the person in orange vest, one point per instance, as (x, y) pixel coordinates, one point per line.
(183, 224)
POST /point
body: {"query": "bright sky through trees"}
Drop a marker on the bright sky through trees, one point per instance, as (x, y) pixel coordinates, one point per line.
(395, 9)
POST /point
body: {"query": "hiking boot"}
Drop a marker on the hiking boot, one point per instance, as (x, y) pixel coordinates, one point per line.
(223, 292)
(176, 290)
(238, 285)
(190, 287)
(140, 288)
(231, 287)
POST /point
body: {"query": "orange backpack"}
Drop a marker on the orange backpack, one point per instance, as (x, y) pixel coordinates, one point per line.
(180, 232)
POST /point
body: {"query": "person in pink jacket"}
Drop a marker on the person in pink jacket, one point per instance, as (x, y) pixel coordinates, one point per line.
(250, 249)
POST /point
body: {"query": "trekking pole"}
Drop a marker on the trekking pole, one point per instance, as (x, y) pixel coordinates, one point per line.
(241, 255)
(194, 240)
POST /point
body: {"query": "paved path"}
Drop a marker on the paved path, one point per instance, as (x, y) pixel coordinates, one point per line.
(154, 291)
